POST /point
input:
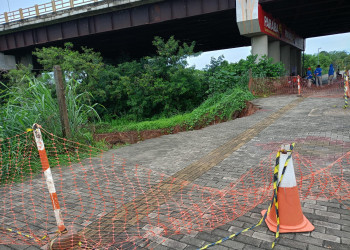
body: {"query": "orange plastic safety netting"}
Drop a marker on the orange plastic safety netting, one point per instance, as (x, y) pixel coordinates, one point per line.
(295, 85)
(109, 203)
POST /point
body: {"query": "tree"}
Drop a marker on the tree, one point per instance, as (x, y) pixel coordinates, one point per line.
(20, 75)
(164, 86)
(339, 59)
(84, 65)
(223, 76)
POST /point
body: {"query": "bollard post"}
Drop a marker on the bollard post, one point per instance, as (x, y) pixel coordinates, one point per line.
(299, 87)
(63, 239)
(48, 176)
(347, 86)
(346, 91)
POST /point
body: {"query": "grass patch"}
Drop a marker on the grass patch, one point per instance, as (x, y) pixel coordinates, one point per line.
(220, 106)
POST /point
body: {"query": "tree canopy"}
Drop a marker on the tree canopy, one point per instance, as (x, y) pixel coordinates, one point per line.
(339, 59)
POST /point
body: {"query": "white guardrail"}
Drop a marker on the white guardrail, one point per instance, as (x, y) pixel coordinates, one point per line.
(42, 9)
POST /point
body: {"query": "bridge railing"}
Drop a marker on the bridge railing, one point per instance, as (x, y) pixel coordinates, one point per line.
(41, 9)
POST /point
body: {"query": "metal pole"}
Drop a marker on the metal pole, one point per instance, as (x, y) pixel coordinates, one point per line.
(318, 56)
(303, 71)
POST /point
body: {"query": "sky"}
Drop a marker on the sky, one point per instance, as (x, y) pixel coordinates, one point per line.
(337, 42)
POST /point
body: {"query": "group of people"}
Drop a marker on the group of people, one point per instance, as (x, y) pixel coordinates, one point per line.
(318, 75)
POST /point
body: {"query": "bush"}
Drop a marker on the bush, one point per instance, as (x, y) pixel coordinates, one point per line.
(161, 85)
(223, 76)
(19, 76)
(220, 106)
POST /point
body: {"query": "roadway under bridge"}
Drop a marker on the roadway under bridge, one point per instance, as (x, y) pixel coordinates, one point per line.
(115, 28)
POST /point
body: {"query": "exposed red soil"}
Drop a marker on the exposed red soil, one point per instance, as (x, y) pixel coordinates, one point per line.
(131, 137)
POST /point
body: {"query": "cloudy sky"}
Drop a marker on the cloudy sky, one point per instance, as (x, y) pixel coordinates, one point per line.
(326, 43)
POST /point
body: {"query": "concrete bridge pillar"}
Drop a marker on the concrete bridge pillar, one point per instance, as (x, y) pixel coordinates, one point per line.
(7, 62)
(279, 52)
(26, 59)
(275, 51)
(269, 36)
(293, 61)
(299, 63)
(286, 58)
(260, 46)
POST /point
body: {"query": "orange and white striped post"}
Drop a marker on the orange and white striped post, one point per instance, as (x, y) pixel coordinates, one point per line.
(48, 176)
(347, 86)
(299, 87)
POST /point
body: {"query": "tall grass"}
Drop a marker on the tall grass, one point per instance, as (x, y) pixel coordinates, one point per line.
(35, 103)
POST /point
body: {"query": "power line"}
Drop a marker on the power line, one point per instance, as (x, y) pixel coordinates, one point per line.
(8, 5)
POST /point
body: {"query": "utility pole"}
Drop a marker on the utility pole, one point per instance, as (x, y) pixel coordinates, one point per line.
(318, 56)
(61, 98)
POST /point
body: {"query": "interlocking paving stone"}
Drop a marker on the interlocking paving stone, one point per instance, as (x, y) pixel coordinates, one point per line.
(206, 157)
(325, 236)
(326, 224)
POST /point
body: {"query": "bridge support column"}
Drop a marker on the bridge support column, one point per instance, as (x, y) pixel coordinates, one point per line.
(299, 63)
(285, 58)
(260, 46)
(7, 62)
(26, 59)
(275, 51)
(293, 61)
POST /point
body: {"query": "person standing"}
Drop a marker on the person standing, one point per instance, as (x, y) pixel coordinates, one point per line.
(309, 77)
(330, 74)
(318, 75)
(338, 74)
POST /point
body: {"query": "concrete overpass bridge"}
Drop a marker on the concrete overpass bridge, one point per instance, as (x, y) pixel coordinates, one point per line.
(276, 28)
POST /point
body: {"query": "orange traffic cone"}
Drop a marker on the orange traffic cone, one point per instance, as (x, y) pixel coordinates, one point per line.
(291, 216)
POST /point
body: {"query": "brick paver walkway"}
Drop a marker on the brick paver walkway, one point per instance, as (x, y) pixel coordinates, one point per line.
(217, 156)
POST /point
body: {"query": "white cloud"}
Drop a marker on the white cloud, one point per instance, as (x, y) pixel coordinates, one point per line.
(337, 42)
(231, 55)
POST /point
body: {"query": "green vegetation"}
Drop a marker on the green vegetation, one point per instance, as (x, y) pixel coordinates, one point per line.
(339, 59)
(158, 92)
(220, 106)
(149, 90)
(33, 102)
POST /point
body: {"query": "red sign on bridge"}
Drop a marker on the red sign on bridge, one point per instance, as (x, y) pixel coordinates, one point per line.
(273, 27)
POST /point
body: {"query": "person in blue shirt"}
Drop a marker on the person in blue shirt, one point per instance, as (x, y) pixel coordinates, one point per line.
(309, 77)
(330, 74)
(318, 75)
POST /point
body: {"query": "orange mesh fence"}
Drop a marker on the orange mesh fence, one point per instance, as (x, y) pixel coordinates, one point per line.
(109, 203)
(289, 85)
